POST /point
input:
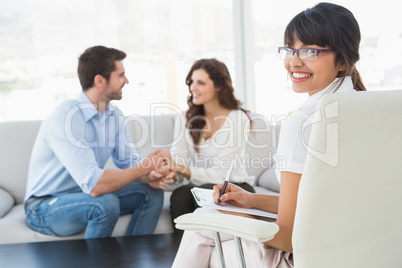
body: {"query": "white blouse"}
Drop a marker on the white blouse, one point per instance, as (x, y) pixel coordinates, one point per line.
(215, 154)
(295, 130)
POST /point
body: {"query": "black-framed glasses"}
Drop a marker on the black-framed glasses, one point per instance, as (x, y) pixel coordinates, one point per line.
(307, 54)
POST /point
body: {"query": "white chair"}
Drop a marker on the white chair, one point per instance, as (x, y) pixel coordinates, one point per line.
(350, 193)
(240, 227)
(348, 209)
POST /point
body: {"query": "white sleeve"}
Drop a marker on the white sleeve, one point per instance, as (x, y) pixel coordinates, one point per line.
(293, 142)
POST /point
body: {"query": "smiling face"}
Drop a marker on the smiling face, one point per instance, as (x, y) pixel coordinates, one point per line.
(117, 80)
(203, 88)
(312, 76)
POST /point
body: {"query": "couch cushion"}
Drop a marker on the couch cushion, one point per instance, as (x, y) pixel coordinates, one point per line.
(151, 132)
(6, 202)
(268, 180)
(261, 146)
(16, 139)
(14, 229)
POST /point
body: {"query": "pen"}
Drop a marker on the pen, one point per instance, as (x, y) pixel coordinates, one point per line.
(228, 177)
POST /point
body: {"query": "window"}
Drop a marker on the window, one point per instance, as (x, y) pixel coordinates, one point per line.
(380, 55)
(41, 40)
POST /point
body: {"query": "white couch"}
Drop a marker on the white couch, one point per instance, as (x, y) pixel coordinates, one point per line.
(148, 133)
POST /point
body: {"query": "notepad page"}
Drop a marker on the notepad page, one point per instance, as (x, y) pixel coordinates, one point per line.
(204, 198)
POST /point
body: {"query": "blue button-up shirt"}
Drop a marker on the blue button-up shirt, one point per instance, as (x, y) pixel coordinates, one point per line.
(73, 146)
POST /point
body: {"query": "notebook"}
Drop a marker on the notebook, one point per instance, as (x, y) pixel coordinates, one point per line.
(204, 199)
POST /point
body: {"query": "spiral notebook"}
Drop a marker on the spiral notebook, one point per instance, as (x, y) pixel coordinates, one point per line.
(204, 199)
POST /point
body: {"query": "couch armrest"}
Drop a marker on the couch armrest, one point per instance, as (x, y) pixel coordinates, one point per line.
(245, 228)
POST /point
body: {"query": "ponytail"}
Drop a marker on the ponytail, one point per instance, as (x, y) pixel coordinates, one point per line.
(357, 80)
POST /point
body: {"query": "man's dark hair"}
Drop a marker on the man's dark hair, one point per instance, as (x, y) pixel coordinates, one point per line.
(97, 60)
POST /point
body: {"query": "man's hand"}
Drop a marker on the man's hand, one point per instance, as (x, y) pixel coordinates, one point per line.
(154, 176)
(166, 157)
(153, 160)
(161, 178)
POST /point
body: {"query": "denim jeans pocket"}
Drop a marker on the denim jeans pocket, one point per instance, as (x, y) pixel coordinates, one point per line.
(36, 220)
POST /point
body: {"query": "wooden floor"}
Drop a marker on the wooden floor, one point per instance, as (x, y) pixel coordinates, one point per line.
(135, 251)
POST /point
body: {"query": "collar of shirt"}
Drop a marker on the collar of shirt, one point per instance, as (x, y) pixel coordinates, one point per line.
(88, 109)
(346, 86)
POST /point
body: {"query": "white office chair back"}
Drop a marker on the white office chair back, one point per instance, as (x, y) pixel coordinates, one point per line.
(349, 209)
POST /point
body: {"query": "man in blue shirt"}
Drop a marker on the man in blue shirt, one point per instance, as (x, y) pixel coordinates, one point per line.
(68, 189)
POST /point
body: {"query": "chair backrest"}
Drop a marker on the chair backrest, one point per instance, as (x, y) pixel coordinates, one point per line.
(348, 208)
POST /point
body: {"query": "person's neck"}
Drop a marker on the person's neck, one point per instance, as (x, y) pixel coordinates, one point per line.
(212, 110)
(99, 103)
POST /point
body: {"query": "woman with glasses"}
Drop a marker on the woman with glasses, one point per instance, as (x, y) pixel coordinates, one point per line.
(320, 53)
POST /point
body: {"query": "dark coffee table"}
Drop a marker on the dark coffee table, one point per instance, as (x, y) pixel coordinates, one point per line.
(135, 251)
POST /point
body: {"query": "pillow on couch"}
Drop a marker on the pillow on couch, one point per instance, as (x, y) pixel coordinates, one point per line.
(6, 202)
(268, 180)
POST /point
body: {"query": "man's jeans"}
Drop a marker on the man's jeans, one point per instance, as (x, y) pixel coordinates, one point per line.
(69, 214)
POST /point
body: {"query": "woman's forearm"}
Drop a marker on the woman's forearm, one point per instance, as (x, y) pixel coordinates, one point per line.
(265, 202)
(286, 211)
(183, 171)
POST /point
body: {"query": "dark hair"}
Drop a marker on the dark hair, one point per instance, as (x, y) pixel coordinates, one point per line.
(219, 74)
(97, 60)
(332, 25)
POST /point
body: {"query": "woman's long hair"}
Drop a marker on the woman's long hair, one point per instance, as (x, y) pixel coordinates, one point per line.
(219, 74)
(332, 25)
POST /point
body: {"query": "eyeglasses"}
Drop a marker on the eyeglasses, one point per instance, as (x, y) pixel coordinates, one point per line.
(306, 54)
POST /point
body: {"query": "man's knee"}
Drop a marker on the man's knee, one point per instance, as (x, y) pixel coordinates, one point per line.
(156, 197)
(108, 205)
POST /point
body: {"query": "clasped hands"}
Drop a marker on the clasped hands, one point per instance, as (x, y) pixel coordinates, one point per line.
(162, 174)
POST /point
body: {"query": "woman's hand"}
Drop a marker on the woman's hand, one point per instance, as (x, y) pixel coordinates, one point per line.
(173, 166)
(153, 160)
(161, 184)
(167, 158)
(233, 195)
(161, 177)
